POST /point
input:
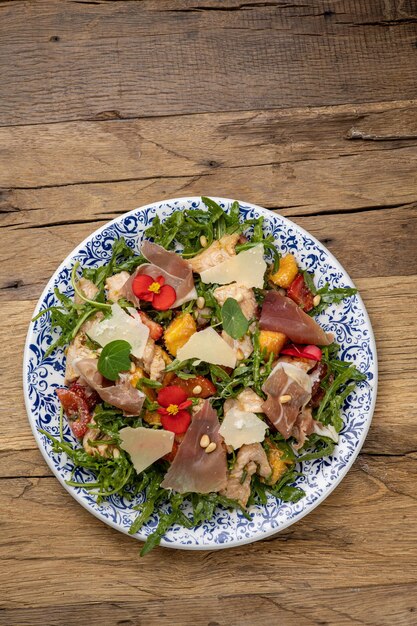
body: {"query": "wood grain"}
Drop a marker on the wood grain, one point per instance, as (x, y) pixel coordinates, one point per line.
(75, 60)
(306, 108)
(348, 528)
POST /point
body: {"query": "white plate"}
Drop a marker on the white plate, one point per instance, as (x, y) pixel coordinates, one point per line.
(348, 321)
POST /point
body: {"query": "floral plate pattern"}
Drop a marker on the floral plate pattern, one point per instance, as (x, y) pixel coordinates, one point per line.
(348, 321)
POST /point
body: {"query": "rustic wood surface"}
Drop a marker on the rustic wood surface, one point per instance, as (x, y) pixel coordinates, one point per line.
(307, 108)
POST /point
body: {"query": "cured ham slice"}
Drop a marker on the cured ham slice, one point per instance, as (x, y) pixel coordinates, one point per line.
(303, 427)
(194, 470)
(282, 315)
(177, 273)
(290, 381)
(120, 394)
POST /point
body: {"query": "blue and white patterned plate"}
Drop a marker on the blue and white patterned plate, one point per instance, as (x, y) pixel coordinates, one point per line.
(348, 321)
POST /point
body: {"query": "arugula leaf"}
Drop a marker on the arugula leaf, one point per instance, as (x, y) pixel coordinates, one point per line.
(327, 295)
(234, 322)
(114, 358)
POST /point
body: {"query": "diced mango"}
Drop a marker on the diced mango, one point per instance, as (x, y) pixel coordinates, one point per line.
(178, 332)
(288, 270)
(136, 376)
(278, 466)
(271, 341)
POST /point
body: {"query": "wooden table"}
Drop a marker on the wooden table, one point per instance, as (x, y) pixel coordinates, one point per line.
(303, 107)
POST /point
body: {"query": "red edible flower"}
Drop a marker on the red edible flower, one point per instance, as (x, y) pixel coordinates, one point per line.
(155, 291)
(173, 404)
(303, 352)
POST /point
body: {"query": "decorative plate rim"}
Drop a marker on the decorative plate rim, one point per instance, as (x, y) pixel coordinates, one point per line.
(239, 541)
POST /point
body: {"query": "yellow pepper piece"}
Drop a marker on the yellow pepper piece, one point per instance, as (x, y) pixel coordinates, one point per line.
(271, 341)
(288, 270)
(178, 332)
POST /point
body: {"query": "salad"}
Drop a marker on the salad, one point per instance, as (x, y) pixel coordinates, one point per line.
(195, 370)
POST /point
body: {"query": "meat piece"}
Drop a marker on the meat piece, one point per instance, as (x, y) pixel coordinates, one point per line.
(114, 285)
(157, 364)
(288, 389)
(304, 364)
(250, 459)
(243, 295)
(95, 434)
(282, 315)
(247, 400)
(154, 360)
(303, 427)
(193, 470)
(87, 288)
(219, 251)
(176, 271)
(242, 347)
(120, 394)
(76, 350)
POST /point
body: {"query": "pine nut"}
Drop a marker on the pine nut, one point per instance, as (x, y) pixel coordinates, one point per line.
(203, 241)
(132, 368)
(316, 300)
(197, 389)
(239, 354)
(211, 447)
(205, 441)
(116, 453)
(200, 302)
(285, 399)
(239, 297)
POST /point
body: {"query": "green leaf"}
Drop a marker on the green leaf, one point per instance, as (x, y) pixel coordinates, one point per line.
(114, 359)
(234, 322)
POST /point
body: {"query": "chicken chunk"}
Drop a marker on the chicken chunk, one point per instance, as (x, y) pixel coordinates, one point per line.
(242, 347)
(219, 251)
(305, 364)
(95, 434)
(247, 400)
(114, 285)
(250, 459)
(243, 295)
(87, 288)
(154, 360)
(75, 351)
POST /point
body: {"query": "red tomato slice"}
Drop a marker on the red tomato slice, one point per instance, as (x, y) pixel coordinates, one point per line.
(76, 409)
(207, 387)
(300, 293)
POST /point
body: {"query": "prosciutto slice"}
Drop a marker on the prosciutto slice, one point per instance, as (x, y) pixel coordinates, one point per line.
(120, 394)
(286, 380)
(177, 273)
(193, 469)
(282, 315)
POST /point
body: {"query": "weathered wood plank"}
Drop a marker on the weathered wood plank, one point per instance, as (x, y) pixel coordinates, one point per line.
(350, 607)
(370, 243)
(388, 302)
(75, 60)
(365, 548)
(151, 147)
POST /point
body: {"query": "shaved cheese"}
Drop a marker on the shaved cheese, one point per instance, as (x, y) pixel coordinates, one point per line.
(208, 346)
(145, 445)
(121, 326)
(242, 427)
(296, 373)
(247, 268)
